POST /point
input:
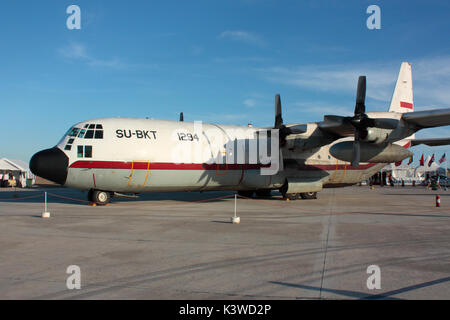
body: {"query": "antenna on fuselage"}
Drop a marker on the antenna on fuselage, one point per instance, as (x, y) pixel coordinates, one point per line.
(181, 116)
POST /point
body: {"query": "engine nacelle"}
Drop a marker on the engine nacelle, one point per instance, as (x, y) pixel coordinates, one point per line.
(370, 152)
(374, 135)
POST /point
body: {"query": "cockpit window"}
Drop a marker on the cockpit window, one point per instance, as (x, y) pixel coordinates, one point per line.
(98, 134)
(89, 134)
(74, 132)
(89, 131)
(81, 134)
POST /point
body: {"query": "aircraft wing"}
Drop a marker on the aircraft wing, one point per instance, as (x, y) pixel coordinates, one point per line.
(431, 142)
(429, 118)
(336, 126)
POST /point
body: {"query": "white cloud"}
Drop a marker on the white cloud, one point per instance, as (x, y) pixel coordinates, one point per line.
(321, 108)
(78, 52)
(380, 83)
(243, 36)
(250, 102)
(74, 51)
(431, 79)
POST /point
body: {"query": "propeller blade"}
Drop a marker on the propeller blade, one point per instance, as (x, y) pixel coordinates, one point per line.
(278, 118)
(360, 107)
(356, 150)
(181, 116)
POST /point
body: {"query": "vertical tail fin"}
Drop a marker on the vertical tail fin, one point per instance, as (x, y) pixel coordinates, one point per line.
(402, 99)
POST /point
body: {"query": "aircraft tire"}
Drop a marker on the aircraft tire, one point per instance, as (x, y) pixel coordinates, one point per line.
(101, 197)
(246, 193)
(309, 195)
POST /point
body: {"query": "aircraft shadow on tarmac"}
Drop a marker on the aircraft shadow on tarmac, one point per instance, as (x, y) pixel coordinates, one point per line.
(363, 295)
(71, 196)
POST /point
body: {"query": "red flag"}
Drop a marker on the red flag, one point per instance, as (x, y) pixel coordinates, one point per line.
(422, 162)
(431, 160)
(442, 159)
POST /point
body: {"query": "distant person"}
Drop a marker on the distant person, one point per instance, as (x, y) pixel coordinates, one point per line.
(6, 179)
(391, 180)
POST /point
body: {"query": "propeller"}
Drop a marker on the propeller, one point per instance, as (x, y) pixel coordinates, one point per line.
(285, 131)
(359, 118)
(181, 116)
(360, 121)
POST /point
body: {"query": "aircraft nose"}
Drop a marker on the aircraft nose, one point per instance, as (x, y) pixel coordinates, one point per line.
(50, 164)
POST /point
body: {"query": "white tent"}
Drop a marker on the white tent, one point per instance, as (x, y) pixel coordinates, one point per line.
(15, 168)
(409, 174)
(422, 171)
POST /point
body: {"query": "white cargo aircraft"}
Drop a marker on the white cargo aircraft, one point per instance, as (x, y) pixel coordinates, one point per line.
(117, 156)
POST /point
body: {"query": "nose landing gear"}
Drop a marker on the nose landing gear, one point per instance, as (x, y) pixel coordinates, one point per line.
(99, 197)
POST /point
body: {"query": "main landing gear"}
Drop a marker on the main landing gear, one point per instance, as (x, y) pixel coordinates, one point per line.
(295, 196)
(99, 197)
(303, 195)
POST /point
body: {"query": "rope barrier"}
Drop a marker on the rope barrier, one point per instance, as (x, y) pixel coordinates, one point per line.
(275, 203)
(68, 198)
(21, 198)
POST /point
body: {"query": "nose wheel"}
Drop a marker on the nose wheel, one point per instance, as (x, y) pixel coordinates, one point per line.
(99, 197)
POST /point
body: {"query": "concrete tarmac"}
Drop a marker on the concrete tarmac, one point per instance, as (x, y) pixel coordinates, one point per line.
(183, 246)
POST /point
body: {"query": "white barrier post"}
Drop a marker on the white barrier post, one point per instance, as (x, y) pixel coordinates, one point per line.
(45, 214)
(235, 220)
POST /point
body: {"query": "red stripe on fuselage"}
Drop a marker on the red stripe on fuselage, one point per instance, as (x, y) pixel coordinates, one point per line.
(163, 165)
(136, 165)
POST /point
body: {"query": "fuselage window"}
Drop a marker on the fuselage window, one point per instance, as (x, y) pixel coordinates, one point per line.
(84, 151)
(80, 151)
(88, 151)
(68, 147)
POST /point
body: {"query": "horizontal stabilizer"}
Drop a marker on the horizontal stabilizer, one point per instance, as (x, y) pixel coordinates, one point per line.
(431, 142)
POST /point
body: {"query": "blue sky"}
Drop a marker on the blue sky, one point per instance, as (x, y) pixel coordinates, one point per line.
(217, 61)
